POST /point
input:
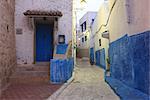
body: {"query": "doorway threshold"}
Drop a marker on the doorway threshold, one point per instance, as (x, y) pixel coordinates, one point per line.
(42, 63)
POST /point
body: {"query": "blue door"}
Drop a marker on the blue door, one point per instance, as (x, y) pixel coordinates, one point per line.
(97, 55)
(92, 56)
(102, 58)
(44, 42)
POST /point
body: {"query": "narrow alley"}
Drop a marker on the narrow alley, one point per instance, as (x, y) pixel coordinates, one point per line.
(74, 49)
(88, 84)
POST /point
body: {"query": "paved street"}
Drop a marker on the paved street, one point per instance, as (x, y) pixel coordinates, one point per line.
(88, 84)
(30, 91)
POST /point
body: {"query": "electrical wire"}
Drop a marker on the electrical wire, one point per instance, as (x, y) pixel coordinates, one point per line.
(104, 25)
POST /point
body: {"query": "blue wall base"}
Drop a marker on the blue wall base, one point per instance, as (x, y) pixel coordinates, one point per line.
(130, 60)
(125, 92)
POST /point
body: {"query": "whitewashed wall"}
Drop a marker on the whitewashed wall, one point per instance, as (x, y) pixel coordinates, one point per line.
(88, 18)
(101, 19)
(134, 11)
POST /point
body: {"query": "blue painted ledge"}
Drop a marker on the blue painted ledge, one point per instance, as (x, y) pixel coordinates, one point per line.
(125, 92)
(61, 48)
(61, 70)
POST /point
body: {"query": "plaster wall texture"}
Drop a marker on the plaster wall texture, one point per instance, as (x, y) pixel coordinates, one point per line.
(25, 41)
(7, 42)
(128, 17)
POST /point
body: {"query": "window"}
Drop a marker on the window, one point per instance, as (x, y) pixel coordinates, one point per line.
(82, 39)
(61, 39)
(99, 42)
(83, 26)
(92, 20)
(85, 38)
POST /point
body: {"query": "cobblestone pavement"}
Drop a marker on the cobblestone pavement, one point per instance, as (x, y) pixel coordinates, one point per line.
(30, 91)
(88, 84)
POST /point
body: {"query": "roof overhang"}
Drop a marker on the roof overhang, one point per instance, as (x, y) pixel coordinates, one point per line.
(38, 13)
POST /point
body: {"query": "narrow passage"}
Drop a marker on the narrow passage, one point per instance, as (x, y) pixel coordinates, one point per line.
(88, 84)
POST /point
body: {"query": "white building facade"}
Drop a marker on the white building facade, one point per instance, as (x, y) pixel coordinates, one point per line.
(29, 15)
(97, 42)
(85, 29)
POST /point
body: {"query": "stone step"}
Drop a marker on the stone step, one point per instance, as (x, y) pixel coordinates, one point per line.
(29, 80)
(30, 74)
(32, 68)
(85, 59)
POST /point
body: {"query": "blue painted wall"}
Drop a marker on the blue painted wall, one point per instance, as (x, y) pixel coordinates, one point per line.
(129, 61)
(44, 42)
(100, 58)
(120, 60)
(61, 70)
(140, 61)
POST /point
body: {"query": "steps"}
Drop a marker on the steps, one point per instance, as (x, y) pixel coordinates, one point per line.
(31, 73)
(85, 59)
